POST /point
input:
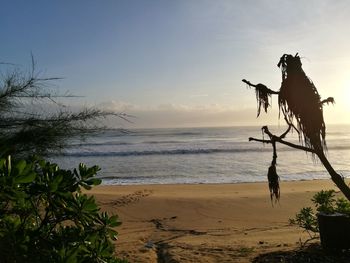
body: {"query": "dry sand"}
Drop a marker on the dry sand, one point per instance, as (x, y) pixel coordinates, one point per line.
(205, 223)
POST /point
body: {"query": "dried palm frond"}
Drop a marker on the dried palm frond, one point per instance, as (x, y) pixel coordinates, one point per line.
(299, 100)
(263, 94)
(274, 185)
(328, 100)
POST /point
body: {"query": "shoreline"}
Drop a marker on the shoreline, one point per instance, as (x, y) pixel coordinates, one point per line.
(230, 183)
(283, 180)
(205, 222)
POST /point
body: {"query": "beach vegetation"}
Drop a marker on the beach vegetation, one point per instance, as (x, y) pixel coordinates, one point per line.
(33, 117)
(45, 216)
(324, 202)
(45, 213)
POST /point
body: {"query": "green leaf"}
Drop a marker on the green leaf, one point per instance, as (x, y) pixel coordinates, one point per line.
(26, 178)
(55, 182)
(113, 234)
(113, 221)
(20, 166)
(90, 207)
(89, 204)
(93, 181)
(72, 258)
(86, 187)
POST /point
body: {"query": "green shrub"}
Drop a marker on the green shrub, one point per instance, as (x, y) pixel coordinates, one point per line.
(306, 219)
(325, 202)
(45, 217)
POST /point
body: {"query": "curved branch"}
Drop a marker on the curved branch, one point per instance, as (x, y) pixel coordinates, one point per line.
(257, 86)
(259, 140)
(296, 146)
(286, 132)
(280, 140)
(336, 178)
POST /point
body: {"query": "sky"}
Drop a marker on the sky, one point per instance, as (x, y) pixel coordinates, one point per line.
(179, 63)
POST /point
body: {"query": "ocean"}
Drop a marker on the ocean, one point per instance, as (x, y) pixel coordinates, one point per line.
(201, 156)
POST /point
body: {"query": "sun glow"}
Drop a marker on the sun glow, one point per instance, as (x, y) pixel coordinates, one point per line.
(340, 111)
(345, 92)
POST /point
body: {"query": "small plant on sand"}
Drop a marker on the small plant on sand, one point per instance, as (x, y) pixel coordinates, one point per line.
(325, 203)
(45, 216)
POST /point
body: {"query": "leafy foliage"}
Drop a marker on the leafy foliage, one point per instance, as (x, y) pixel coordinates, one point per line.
(31, 118)
(342, 206)
(306, 219)
(45, 216)
(325, 202)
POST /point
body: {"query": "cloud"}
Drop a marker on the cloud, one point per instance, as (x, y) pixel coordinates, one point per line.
(179, 115)
(175, 115)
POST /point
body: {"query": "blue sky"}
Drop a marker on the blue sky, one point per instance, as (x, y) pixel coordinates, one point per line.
(180, 62)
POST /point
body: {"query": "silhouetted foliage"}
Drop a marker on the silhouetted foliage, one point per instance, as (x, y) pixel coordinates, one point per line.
(24, 131)
(299, 102)
(263, 94)
(298, 98)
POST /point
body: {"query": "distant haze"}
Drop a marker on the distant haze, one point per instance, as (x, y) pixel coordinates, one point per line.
(170, 116)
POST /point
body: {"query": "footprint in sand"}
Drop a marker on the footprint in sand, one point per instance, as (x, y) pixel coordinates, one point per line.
(131, 198)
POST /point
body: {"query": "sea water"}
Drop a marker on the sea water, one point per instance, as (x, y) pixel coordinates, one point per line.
(201, 155)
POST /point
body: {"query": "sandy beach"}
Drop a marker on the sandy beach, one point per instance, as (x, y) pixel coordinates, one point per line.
(207, 222)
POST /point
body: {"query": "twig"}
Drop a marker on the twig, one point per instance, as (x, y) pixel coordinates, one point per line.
(270, 91)
(280, 140)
